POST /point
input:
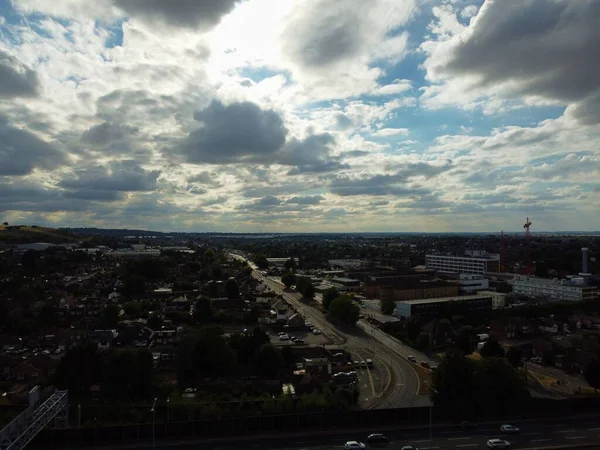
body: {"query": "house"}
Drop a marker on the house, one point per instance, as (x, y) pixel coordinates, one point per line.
(179, 304)
(317, 365)
(24, 372)
(165, 336)
(549, 326)
(6, 362)
(581, 359)
(295, 321)
(45, 364)
(541, 347)
(103, 338)
(134, 335)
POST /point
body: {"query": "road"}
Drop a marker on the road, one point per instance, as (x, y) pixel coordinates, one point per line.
(534, 434)
(403, 386)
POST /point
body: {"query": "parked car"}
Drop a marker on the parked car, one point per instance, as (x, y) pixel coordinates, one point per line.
(369, 362)
(509, 429)
(466, 425)
(363, 364)
(537, 360)
(308, 324)
(425, 364)
(409, 447)
(354, 445)
(298, 341)
(498, 443)
(411, 358)
(284, 337)
(377, 439)
(316, 331)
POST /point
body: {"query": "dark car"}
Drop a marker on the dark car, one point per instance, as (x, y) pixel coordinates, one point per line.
(466, 425)
(377, 439)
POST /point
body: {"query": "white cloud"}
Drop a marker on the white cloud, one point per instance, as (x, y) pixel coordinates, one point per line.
(385, 132)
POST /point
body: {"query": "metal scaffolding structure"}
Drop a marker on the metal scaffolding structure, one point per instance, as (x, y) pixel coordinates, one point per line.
(17, 434)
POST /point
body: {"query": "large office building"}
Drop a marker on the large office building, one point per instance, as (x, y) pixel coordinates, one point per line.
(463, 264)
(554, 290)
(435, 307)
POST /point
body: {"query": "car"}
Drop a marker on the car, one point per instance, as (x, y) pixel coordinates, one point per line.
(284, 337)
(354, 445)
(509, 429)
(356, 363)
(363, 364)
(409, 447)
(411, 358)
(537, 360)
(369, 362)
(425, 364)
(298, 341)
(466, 425)
(316, 331)
(377, 439)
(281, 333)
(308, 324)
(497, 443)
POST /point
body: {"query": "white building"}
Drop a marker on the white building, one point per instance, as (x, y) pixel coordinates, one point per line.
(469, 283)
(554, 290)
(462, 264)
(498, 298)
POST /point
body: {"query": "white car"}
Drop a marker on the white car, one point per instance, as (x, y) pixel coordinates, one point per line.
(509, 429)
(354, 445)
(498, 443)
(284, 337)
(316, 331)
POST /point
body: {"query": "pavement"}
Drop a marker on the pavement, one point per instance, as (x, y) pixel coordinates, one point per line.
(573, 432)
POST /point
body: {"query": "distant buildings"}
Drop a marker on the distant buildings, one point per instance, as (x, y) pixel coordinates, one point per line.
(435, 307)
(463, 264)
(553, 289)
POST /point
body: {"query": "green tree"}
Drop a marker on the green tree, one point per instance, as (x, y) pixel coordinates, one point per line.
(109, 317)
(591, 373)
(344, 310)
(128, 375)
(305, 287)
(387, 307)
(209, 256)
(80, 368)
(515, 356)
(267, 361)
(492, 349)
(464, 339)
(154, 322)
(328, 296)
(231, 288)
(261, 261)
(290, 265)
(288, 279)
(203, 312)
(423, 341)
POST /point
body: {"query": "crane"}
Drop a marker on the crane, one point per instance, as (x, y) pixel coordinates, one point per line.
(528, 268)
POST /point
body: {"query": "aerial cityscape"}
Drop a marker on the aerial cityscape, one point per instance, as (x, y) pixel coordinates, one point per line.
(299, 224)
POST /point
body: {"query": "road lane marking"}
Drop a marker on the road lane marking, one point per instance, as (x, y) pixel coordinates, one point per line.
(575, 437)
(467, 445)
(540, 440)
(566, 431)
(459, 439)
(422, 440)
(530, 434)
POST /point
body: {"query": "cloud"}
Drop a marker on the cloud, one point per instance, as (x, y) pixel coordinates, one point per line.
(386, 132)
(21, 151)
(110, 137)
(16, 79)
(345, 185)
(123, 176)
(194, 14)
(533, 50)
(308, 200)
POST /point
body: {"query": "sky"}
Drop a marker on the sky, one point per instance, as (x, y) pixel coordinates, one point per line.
(301, 115)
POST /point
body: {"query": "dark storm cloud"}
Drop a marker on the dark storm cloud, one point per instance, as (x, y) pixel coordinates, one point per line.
(123, 176)
(205, 178)
(22, 151)
(201, 14)
(543, 48)
(375, 185)
(110, 136)
(16, 79)
(245, 133)
(308, 200)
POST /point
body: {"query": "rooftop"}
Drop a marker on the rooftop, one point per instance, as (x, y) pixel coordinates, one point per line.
(444, 299)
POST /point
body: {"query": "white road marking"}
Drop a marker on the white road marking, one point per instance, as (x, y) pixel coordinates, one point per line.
(575, 437)
(467, 445)
(540, 440)
(459, 439)
(566, 431)
(530, 434)
(422, 440)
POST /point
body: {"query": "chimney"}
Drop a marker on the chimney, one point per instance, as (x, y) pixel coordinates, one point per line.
(584, 259)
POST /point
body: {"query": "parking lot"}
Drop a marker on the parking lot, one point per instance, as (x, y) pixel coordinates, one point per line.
(309, 338)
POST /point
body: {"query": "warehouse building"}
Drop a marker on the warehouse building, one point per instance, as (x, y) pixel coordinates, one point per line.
(435, 307)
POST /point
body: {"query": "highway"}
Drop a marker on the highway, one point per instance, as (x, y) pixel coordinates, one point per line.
(545, 433)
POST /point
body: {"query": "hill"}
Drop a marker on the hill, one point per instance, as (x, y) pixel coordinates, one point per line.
(25, 234)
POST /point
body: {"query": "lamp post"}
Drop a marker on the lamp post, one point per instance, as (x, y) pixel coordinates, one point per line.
(153, 410)
(431, 415)
(168, 401)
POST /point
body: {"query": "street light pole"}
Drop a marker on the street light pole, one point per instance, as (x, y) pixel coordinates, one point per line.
(168, 401)
(431, 416)
(153, 410)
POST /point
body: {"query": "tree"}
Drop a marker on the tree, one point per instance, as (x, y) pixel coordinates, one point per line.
(423, 341)
(154, 322)
(591, 373)
(515, 356)
(328, 296)
(492, 349)
(464, 339)
(290, 265)
(128, 375)
(305, 287)
(79, 370)
(109, 317)
(387, 307)
(203, 312)
(288, 279)
(231, 288)
(344, 310)
(261, 261)
(267, 361)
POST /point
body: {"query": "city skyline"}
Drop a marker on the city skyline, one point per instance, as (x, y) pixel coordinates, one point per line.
(284, 116)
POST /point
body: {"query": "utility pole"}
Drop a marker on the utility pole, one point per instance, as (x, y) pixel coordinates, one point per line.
(431, 415)
(153, 410)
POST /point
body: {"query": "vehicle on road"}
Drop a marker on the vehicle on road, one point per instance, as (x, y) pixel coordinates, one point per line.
(308, 324)
(409, 447)
(369, 362)
(425, 364)
(377, 439)
(537, 359)
(411, 358)
(363, 364)
(284, 337)
(298, 341)
(281, 333)
(354, 445)
(316, 331)
(509, 429)
(498, 443)
(466, 425)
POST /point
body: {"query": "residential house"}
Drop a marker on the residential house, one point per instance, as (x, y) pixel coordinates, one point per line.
(24, 372)
(134, 335)
(6, 362)
(541, 348)
(295, 321)
(103, 338)
(45, 364)
(182, 304)
(549, 326)
(165, 336)
(317, 365)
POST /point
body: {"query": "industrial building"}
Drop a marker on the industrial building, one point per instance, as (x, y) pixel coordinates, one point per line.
(435, 307)
(463, 264)
(498, 298)
(574, 290)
